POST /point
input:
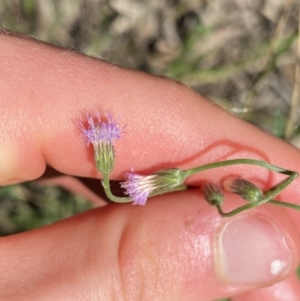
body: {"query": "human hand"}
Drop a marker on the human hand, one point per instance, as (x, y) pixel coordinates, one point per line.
(176, 247)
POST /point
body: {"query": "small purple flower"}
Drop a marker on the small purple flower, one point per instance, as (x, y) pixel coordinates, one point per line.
(100, 130)
(139, 188)
(102, 134)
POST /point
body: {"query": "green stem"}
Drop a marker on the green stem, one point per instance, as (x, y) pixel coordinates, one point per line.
(274, 202)
(285, 204)
(106, 185)
(263, 164)
(267, 198)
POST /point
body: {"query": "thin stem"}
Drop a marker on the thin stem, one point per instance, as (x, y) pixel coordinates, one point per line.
(106, 185)
(236, 211)
(285, 204)
(267, 198)
(263, 164)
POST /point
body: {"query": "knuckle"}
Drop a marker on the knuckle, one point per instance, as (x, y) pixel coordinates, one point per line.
(139, 267)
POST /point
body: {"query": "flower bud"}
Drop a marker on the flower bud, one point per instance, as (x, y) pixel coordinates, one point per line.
(213, 194)
(139, 187)
(169, 178)
(247, 191)
(102, 134)
(104, 156)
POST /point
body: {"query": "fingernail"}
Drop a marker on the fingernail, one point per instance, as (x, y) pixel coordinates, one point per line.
(251, 250)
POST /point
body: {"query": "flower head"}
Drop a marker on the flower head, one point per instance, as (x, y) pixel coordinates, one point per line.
(213, 194)
(139, 187)
(245, 189)
(97, 130)
(102, 135)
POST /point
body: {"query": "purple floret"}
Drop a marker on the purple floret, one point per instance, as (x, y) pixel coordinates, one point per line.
(98, 130)
(110, 130)
(138, 187)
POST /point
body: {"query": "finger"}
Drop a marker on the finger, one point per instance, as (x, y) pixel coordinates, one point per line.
(176, 248)
(45, 90)
(287, 290)
(168, 124)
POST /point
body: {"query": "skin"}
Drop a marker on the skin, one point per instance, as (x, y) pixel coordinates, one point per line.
(125, 252)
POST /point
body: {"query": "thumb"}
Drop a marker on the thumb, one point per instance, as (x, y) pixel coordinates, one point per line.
(175, 248)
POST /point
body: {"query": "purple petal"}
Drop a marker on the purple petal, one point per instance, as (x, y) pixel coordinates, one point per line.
(138, 187)
(98, 130)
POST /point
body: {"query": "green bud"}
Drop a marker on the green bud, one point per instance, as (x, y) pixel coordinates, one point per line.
(166, 179)
(213, 194)
(104, 155)
(139, 187)
(245, 189)
(170, 177)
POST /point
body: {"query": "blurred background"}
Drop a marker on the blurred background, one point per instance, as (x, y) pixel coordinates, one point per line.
(240, 54)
